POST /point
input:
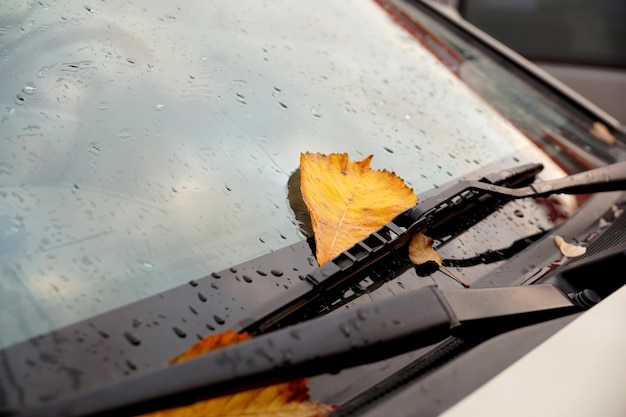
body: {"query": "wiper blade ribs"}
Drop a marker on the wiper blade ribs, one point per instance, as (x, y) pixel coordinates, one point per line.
(348, 267)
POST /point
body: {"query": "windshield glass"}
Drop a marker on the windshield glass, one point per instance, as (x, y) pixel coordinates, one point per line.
(147, 143)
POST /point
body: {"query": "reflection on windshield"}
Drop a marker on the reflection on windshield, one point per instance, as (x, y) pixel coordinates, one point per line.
(144, 144)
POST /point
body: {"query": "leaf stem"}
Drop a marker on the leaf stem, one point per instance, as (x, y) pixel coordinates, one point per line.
(449, 273)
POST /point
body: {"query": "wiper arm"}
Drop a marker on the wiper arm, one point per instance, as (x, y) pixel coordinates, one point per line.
(426, 215)
(326, 344)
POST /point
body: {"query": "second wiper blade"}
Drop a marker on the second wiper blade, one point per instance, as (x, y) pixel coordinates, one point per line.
(426, 215)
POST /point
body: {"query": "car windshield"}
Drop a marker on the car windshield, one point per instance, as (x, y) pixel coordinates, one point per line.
(144, 144)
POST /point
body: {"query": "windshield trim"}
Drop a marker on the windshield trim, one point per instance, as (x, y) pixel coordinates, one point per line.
(401, 9)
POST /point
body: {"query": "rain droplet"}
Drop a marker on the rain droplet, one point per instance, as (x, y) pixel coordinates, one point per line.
(130, 61)
(159, 106)
(103, 334)
(131, 365)
(247, 278)
(132, 339)
(201, 296)
(388, 149)
(180, 333)
(518, 213)
(174, 189)
(215, 286)
(216, 275)
(147, 265)
(345, 329)
(43, 71)
(276, 272)
(193, 310)
(19, 99)
(29, 89)
(232, 269)
(219, 320)
(262, 273)
(227, 189)
(103, 105)
(193, 283)
(94, 148)
(283, 105)
(136, 323)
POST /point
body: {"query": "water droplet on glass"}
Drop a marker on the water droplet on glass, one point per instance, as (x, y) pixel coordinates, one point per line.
(216, 275)
(103, 105)
(132, 339)
(276, 272)
(136, 323)
(159, 106)
(227, 189)
(43, 71)
(29, 89)
(19, 99)
(283, 105)
(193, 283)
(89, 9)
(261, 272)
(232, 269)
(215, 286)
(247, 278)
(193, 310)
(345, 329)
(388, 149)
(180, 333)
(131, 365)
(146, 265)
(94, 148)
(210, 327)
(103, 334)
(201, 296)
(219, 320)
(174, 189)
(130, 61)
(518, 213)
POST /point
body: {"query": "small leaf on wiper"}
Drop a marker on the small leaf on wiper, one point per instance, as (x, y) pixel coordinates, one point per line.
(569, 249)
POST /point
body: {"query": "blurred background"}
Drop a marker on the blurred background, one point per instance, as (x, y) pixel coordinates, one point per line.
(580, 42)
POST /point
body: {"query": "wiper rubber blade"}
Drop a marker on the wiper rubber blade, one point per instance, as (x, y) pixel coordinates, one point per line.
(424, 216)
(326, 344)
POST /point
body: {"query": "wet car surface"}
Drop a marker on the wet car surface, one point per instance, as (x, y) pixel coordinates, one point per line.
(147, 152)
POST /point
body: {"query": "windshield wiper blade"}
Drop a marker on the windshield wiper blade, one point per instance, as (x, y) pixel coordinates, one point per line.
(426, 215)
(354, 337)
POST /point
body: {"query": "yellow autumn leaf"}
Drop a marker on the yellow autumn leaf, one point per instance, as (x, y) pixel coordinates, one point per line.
(348, 200)
(288, 399)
